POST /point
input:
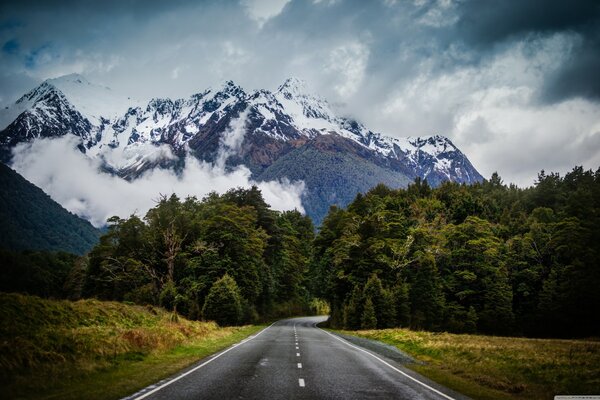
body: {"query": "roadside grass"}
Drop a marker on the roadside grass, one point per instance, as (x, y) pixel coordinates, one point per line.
(490, 367)
(58, 349)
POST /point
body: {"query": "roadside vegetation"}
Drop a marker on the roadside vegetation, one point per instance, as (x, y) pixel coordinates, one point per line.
(90, 349)
(497, 368)
(485, 258)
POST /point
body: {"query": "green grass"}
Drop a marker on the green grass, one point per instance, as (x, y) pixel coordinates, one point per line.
(489, 367)
(97, 350)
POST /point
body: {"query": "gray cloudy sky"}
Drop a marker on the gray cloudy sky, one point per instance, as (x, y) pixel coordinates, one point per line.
(513, 83)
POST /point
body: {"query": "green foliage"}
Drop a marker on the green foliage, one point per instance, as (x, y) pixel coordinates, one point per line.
(482, 258)
(368, 319)
(45, 274)
(31, 220)
(223, 303)
(174, 255)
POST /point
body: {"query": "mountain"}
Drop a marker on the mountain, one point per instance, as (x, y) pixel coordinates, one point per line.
(287, 133)
(31, 220)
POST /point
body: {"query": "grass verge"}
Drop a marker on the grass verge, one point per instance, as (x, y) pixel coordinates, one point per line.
(489, 367)
(97, 350)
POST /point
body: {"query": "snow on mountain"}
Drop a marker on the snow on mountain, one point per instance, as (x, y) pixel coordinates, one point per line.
(93, 101)
(126, 135)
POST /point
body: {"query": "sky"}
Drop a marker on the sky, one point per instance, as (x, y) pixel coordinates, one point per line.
(514, 84)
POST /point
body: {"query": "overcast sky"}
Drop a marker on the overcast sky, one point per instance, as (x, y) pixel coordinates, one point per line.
(515, 84)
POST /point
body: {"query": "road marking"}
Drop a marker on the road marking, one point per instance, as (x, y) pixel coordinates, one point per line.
(297, 354)
(388, 364)
(143, 396)
(299, 365)
(296, 343)
(297, 348)
(301, 382)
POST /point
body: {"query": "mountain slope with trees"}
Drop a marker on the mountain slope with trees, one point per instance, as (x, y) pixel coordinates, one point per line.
(31, 220)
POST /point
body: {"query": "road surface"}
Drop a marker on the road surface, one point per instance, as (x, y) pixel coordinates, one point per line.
(293, 359)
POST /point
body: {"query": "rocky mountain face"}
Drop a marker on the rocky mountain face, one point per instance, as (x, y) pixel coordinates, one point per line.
(287, 133)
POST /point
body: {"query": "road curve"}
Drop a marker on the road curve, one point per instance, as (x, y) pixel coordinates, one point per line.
(293, 359)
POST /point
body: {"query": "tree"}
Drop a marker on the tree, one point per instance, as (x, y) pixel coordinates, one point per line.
(382, 302)
(368, 319)
(426, 297)
(223, 303)
(353, 309)
(401, 304)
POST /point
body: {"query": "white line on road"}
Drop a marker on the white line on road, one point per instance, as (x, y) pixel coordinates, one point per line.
(297, 354)
(301, 382)
(299, 365)
(388, 364)
(143, 396)
(297, 348)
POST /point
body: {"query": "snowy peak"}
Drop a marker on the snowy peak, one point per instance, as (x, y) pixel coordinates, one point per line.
(292, 87)
(433, 145)
(70, 79)
(118, 130)
(94, 102)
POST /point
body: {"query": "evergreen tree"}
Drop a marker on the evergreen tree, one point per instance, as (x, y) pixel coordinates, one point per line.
(353, 309)
(223, 303)
(401, 304)
(368, 319)
(426, 295)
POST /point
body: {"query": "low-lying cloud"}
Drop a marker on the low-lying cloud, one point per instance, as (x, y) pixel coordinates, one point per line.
(76, 182)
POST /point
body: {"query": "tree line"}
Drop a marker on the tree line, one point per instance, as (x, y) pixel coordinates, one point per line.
(487, 257)
(230, 258)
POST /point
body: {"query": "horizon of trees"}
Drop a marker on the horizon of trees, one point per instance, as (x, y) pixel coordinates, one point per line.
(485, 258)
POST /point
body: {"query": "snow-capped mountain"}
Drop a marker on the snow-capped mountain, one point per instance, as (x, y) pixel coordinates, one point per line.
(281, 128)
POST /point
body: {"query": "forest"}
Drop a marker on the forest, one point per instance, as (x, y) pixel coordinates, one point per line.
(487, 258)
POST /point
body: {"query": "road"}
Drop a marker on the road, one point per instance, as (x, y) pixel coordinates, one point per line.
(293, 359)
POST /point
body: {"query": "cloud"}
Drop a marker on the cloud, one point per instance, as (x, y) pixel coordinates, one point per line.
(347, 65)
(263, 10)
(400, 67)
(75, 181)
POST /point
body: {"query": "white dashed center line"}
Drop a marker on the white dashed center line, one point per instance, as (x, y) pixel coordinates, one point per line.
(297, 348)
(301, 382)
(297, 354)
(299, 365)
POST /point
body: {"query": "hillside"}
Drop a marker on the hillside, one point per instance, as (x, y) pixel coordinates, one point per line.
(31, 220)
(333, 172)
(100, 350)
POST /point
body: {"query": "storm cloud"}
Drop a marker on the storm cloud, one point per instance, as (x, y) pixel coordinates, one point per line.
(513, 83)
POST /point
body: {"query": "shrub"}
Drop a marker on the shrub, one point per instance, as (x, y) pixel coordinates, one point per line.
(223, 303)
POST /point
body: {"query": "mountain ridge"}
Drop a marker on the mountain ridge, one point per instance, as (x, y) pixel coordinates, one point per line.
(274, 124)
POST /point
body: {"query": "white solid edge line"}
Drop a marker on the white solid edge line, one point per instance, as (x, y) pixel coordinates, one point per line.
(143, 396)
(389, 365)
(301, 382)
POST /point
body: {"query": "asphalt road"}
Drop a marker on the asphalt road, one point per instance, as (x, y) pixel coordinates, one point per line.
(293, 359)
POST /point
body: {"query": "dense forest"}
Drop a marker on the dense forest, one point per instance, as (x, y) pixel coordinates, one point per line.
(485, 258)
(489, 258)
(226, 252)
